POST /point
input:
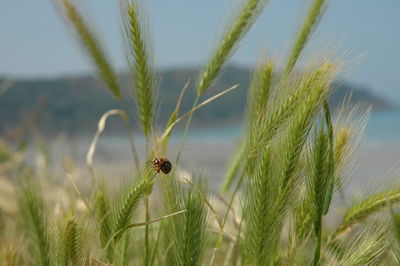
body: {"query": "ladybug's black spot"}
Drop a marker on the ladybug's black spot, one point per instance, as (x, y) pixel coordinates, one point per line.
(166, 167)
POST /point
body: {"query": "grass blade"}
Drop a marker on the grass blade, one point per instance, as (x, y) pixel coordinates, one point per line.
(127, 207)
(195, 108)
(366, 207)
(239, 27)
(309, 24)
(100, 128)
(140, 62)
(35, 221)
(175, 114)
(72, 246)
(260, 217)
(320, 183)
(104, 214)
(234, 167)
(92, 47)
(185, 234)
(126, 210)
(368, 248)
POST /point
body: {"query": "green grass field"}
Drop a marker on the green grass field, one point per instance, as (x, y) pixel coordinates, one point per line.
(286, 175)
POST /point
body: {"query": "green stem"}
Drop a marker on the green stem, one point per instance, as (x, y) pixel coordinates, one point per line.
(239, 183)
(328, 190)
(153, 253)
(130, 136)
(147, 214)
(329, 187)
(132, 144)
(217, 245)
(147, 244)
(236, 250)
(185, 132)
(328, 119)
(317, 253)
(234, 167)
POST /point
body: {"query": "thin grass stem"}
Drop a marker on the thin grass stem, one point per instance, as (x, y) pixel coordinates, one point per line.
(185, 132)
(309, 24)
(147, 231)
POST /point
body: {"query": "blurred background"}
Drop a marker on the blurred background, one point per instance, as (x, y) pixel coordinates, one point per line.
(49, 91)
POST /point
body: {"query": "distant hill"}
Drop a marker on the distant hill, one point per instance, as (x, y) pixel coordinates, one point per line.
(75, 104)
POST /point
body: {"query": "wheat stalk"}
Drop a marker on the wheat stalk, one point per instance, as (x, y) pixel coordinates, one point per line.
(309, 24)
(35, 221)
(140, 62)
(93, 47)
(239, 27)
(365, 208)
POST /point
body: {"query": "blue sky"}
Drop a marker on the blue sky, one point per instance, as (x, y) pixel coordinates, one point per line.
(34, 42)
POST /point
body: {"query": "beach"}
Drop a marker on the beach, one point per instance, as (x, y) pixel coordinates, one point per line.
(376, 160)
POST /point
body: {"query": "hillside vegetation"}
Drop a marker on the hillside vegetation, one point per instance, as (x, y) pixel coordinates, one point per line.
(75, 104)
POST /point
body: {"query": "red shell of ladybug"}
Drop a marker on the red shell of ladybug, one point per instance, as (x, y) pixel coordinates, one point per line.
(162, 164)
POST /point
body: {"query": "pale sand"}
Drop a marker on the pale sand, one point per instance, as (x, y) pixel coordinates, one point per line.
(375, 170)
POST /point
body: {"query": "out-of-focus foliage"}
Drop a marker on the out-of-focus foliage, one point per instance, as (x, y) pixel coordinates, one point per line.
(67, 108)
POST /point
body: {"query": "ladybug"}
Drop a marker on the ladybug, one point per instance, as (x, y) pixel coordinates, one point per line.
(162, 164)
